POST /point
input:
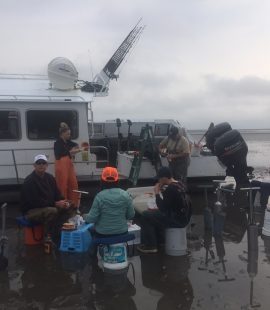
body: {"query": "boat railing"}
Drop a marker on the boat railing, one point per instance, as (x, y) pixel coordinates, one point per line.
(15, 164)
(44, 98)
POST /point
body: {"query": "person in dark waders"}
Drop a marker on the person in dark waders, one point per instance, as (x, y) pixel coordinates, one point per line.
(64, 151)
(177, 150)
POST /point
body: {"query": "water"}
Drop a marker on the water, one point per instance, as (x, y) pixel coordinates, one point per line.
(217, 273)
(258, 141)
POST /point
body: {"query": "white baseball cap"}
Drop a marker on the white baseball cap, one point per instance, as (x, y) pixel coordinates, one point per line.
(40, 156)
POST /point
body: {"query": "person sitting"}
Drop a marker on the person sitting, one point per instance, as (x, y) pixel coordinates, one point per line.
(111, 208)
(41, 200)
(174, 211)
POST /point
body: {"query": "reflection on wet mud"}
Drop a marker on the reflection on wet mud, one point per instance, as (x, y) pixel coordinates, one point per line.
(227, 267)
(167, 276)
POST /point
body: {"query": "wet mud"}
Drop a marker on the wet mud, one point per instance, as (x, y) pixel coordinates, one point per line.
(221, 270)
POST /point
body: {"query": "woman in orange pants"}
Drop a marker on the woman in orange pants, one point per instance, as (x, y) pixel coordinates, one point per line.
(64, 151)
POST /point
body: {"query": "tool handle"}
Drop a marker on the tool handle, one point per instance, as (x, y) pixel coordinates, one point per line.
(3, 211)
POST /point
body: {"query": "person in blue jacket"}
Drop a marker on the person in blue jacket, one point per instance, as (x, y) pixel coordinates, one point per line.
(111, 208)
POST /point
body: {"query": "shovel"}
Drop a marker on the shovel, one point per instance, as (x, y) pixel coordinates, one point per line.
(209, 128)
(3, 239)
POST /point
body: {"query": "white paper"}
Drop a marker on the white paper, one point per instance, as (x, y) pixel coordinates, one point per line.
(151, 204)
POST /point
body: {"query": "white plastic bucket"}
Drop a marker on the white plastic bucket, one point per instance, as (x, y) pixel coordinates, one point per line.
(266, 224)
(195, 150)
(175, 241)
(115, 256)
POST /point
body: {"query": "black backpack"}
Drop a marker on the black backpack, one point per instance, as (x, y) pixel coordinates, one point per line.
(182, 212)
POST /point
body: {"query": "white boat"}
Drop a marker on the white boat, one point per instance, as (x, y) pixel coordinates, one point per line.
(33, 106)
(30, 114)
(123, 134)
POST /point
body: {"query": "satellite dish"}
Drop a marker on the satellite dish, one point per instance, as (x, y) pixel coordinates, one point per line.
(62, 73)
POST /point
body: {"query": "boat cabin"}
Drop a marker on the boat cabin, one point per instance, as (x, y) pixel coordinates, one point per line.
(31, 111)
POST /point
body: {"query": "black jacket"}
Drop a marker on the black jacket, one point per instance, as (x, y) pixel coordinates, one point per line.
(39, 192)
(175, 205)
(62, 148)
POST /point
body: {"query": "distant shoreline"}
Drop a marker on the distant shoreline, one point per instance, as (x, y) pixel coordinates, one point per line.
(253, 131)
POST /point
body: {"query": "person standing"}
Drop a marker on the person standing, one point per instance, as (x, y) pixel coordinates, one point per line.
(176, 148)
(64, 152)
(41, 200)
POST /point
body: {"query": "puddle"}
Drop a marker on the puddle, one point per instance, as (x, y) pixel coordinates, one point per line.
(217, 273)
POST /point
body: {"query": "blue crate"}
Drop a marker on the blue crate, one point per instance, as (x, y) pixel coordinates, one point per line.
(78, 240)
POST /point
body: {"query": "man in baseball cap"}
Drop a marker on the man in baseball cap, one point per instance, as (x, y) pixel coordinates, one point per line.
(41, 200)
(40, 157)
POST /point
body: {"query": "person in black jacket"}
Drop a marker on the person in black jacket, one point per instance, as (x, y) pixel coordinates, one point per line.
(41, 200)
(174, 210)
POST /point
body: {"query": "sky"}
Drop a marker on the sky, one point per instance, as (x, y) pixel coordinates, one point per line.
(197, 61)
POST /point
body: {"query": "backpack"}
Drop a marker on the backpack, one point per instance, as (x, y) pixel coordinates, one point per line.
(183, 211)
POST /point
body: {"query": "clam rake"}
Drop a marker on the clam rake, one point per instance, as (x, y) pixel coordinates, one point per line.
(3, 239)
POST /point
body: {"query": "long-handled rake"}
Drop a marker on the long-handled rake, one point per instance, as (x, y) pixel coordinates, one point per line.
(3, 239)
(253, 249)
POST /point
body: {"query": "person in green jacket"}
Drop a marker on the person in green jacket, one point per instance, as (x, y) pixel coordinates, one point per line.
(111, 208)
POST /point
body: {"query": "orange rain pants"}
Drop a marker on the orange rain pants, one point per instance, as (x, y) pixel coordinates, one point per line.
(66, 179)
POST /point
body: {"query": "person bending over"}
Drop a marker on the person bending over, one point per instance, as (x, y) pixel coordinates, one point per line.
(177, 150)
(41, 200)
(111, 208)
(174, 211)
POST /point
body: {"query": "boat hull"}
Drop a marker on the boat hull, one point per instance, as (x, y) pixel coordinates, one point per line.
(206, 167)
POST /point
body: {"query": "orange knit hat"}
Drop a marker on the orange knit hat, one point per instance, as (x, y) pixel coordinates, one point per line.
(109, 174)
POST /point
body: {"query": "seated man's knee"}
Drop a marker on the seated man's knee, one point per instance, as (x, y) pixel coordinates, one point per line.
(151, 214)
(50, 213)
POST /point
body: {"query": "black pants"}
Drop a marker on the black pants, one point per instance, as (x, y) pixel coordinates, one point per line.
(153, 224)
(179, 168)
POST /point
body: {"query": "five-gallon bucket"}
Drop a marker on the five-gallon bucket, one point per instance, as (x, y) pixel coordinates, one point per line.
(175, 241)
(33, 235)
(114, 256)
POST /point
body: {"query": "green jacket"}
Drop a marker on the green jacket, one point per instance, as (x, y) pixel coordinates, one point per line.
(110, 211)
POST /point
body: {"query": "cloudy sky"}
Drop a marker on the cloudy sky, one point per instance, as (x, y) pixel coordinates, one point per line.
(198, 61)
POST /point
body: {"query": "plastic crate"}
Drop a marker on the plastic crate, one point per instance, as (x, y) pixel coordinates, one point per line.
(78, 240)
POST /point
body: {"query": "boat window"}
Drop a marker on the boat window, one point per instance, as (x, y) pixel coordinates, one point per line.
(44, 125)
(161, 129)
(9, 125)
(98, 129)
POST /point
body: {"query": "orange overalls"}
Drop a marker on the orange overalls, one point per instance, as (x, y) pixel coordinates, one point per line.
(64, 171)
(66, 179)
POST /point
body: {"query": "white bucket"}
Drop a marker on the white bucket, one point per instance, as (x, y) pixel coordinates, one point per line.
(266, 224)
(175, 241)
(195, 150)
(115, 256)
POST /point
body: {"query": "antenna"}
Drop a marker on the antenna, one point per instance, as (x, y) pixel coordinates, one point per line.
(101, 81)
(90, 63)
(119, 55)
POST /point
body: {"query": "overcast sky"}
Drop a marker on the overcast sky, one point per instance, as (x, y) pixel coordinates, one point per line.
(198, 61)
